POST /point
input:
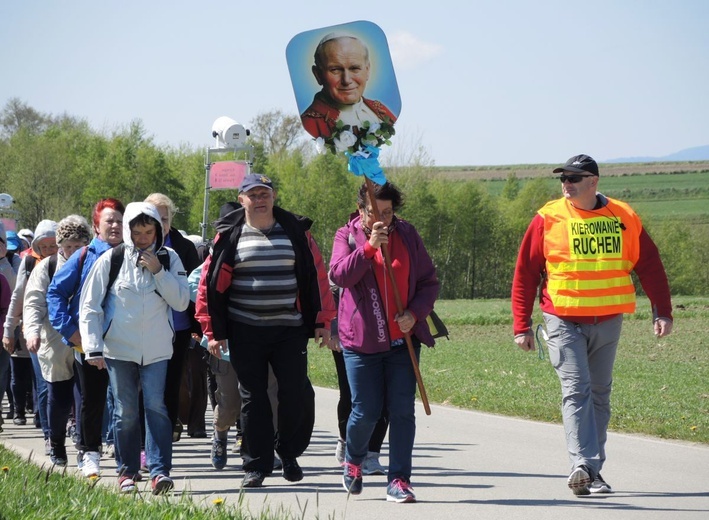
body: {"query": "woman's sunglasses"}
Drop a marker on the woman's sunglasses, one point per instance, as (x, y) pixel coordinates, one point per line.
(573, 179)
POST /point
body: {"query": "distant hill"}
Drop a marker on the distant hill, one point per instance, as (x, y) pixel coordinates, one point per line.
(698, 153)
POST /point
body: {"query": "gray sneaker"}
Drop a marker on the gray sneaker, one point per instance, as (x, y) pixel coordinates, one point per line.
(600, 486)
(371, 464)
(579, 480)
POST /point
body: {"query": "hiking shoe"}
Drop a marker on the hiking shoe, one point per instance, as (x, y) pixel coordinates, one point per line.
(91, 464)
(236, 447)
(371, 465)
(277, 462)
(57, 455)
(352, 478)
(79, 459)
(19, 420)
(161, 484)
(253, 479)
(579, 480)
(219, 455)
(340, 452)
(126, 484)
(110, 451)
(177, 431)
(291, 470)
(400, 491)
(600, 486)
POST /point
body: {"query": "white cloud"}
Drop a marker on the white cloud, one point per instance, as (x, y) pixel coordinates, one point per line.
(408, 52)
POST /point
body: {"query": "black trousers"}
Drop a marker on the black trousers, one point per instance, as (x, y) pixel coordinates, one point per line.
(93, 383)
(175, 367)
(251, 350)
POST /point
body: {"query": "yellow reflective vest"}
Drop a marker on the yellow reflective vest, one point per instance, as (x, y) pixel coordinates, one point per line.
(589, 257)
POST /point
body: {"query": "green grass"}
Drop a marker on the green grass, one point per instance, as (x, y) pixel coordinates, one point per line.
(660, 386)
(30, 492)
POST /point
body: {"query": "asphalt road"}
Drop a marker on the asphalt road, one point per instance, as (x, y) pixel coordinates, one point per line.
(466, 465)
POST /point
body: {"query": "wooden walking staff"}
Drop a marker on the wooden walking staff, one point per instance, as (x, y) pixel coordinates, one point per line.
(362, 63)
(399, 306)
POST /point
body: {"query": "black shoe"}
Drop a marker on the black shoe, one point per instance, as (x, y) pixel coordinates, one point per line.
(198, 434)
(57, 455)
(19, 421)
(291, 470)
(177, 431)
(253, 479)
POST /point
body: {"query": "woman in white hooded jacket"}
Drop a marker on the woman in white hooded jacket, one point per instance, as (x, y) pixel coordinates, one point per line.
(127, 328)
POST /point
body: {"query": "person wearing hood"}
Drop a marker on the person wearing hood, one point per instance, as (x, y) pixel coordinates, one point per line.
(127, 328)
(55, 358)
(25, 366)
(9, 265)
(194, 403)
(63, 307)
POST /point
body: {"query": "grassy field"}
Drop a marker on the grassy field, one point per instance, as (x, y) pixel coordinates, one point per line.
(524, 171)
(660, 386)
(682, 193)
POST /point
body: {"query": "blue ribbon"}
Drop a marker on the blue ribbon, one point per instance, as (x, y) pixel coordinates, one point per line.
(366, 162)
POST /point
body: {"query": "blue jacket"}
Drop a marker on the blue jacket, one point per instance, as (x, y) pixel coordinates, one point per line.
(62, 305)
(351, 270)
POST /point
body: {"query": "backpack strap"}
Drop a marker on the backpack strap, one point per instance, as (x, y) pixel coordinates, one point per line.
(30, 262)
(116, 263)
(164, 257)
(52, 266)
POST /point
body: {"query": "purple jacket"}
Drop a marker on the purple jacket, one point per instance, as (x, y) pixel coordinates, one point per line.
(360, 324)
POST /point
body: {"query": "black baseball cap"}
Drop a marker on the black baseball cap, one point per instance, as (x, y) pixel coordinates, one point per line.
(579, 164)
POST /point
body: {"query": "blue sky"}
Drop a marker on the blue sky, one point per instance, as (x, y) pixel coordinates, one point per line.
(481, 82)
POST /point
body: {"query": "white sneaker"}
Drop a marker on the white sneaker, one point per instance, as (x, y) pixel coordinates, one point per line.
(91, 465)
(340, 452)
(371, 465)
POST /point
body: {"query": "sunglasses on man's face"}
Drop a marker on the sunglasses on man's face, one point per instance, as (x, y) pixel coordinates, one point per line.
(573, 179)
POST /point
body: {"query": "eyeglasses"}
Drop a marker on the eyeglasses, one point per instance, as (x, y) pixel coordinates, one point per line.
(389, 213)
(573, 179)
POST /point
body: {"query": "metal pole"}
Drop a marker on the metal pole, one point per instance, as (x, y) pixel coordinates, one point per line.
(205, 213)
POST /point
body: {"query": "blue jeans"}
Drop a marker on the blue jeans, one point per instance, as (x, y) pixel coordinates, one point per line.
(108, 424)
(41, 391)
(583, 356)
(127, 378)
(376, 379)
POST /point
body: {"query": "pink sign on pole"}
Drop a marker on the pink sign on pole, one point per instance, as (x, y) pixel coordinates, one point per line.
(227, 175)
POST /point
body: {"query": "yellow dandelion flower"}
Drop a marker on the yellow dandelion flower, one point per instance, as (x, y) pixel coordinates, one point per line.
(693, 428)
(218, 501)
(93, 478)
(5, 469)
(474, 399)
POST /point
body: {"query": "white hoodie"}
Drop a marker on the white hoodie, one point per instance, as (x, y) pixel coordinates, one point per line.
(133, 322)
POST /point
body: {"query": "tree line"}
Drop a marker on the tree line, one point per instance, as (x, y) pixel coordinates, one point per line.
(57, 165)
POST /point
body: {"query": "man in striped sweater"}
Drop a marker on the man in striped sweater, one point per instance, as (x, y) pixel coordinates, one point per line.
(263, 293)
